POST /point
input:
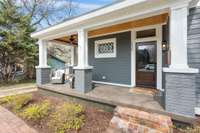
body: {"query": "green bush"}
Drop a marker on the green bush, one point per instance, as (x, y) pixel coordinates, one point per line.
(191, 130)
(20, 101)
(17, 102)
(68, 116)
(37, 112)
(7, 100)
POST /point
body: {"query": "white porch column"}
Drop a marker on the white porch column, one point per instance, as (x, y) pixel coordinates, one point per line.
(43, 70)
(83, 49)
(42, 54)
(83, 72)
(178, 40)
(72, 55)
(178, 37)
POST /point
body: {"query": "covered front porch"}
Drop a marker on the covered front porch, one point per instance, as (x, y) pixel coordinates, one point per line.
(123, 27)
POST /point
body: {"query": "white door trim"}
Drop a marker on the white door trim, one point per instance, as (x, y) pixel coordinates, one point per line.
(158, 39)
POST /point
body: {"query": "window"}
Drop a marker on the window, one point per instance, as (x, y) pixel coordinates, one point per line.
(146, 33)
(105, 48)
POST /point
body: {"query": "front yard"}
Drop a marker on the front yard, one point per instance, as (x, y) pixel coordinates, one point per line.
(20, 84)
(49, 114)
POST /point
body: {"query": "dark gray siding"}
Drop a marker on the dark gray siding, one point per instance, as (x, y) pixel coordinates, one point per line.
(43, 75)
(180, 93)
(116, 70)
(194, 45)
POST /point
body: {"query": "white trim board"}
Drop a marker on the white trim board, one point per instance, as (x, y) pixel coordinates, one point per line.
(114, 84)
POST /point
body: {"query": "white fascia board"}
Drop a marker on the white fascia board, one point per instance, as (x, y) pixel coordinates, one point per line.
(94, 14)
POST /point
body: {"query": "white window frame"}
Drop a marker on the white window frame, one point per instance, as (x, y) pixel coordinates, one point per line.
(107, 55)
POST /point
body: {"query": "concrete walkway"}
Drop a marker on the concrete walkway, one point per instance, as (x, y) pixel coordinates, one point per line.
(18, 90)
(10, 123)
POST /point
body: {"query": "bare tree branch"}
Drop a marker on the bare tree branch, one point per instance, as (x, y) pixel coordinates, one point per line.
(48, 12)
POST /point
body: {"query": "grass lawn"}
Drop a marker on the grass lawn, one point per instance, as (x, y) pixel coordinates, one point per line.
(10, 85)
(49, 114)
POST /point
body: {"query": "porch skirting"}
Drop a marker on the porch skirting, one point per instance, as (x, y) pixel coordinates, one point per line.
(180, 93)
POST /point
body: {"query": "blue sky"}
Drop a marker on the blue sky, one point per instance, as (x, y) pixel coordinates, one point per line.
(79, 7)
(87, 5)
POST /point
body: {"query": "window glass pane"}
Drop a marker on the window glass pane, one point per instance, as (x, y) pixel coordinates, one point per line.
(106, 48)
(146, 58)
(146, 33)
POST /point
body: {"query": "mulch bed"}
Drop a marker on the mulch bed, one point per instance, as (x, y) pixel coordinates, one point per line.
(97, 120)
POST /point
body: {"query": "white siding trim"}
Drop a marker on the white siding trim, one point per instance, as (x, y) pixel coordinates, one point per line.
(114, 84)
(133, 58)
(197, 110)
(159, 57)
(72, 55)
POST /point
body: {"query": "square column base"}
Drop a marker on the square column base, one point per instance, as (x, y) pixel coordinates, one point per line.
(43, 75)
(180, 93)
(83, 80)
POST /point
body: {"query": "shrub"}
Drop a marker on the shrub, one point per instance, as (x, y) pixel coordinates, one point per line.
(191, 130)
(68, 116)
(37, 112)
(7, 100)
(21, 100)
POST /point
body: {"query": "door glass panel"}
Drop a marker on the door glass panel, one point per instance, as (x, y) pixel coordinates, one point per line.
(146, 58)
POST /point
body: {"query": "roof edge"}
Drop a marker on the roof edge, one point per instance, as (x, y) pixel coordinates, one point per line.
(94, 13)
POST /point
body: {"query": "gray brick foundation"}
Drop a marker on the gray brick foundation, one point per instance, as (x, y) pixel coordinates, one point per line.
(83, 80)
(180, 95)
(43, 75)
(194, 45)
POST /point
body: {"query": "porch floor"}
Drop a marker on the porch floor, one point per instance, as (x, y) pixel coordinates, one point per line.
(112, 95)
(118, 96)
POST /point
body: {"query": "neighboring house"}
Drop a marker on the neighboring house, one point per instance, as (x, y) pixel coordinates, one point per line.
(153, 44)
(17, 71)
